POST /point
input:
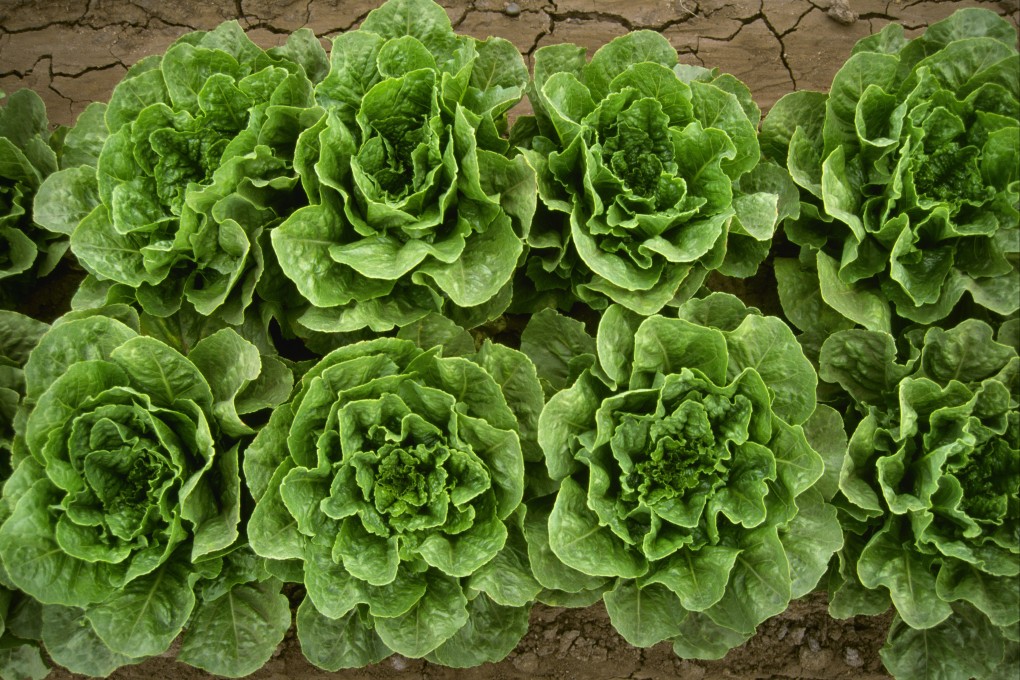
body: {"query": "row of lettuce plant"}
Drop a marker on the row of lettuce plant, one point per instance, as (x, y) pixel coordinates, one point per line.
(909, 175)
(330, 335)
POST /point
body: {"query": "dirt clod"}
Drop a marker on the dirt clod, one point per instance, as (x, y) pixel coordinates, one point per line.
(690, 670)
(841, 12)
(815, 660)
(797, 635)
(567, 639)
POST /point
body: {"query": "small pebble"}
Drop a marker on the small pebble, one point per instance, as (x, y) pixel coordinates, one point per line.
(853, 657)
(814, 662)
(512, 9)
(398, 662)
(527, 662)
(689, 670)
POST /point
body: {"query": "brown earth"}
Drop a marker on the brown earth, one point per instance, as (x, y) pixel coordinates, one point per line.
(74, 51)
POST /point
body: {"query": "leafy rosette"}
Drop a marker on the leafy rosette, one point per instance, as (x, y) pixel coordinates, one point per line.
(19, 615)
(18, 335)
(929, 496)
(908, 177)
(650, 172)
(123, 516)
(685, 475)
(27, 157)
(195, 169)
(415, 206)
(390, 485)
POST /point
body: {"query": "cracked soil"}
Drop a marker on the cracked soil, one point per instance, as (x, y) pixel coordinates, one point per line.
(74, 51)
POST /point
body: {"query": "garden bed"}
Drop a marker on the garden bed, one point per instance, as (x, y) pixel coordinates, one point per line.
(73, 55)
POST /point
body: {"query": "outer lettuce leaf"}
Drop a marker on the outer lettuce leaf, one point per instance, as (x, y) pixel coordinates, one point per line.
(19, 334)
(685, 477)
(21, 660)
(908, 177)
(19, 614)
(72, 642)
(240, 619)
(965, 645)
